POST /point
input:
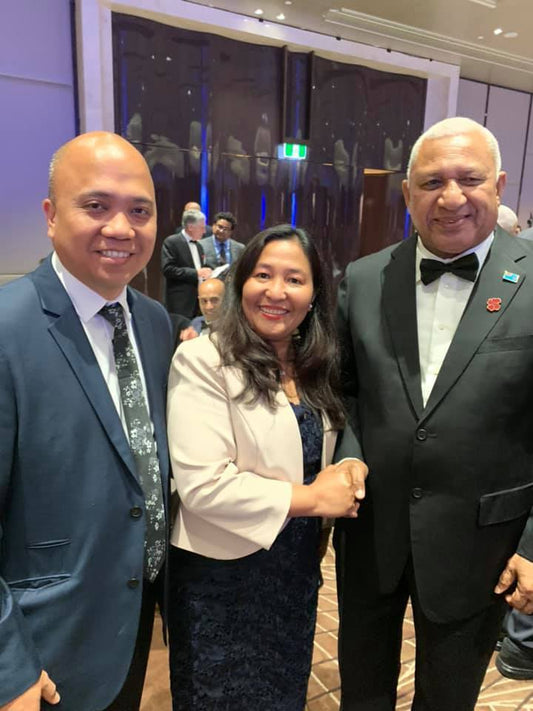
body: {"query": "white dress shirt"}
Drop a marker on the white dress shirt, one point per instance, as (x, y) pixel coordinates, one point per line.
(87, 303)
(439, 308)
(195, 254)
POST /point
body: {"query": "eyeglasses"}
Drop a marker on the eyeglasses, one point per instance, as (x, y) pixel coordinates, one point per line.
(222, 228)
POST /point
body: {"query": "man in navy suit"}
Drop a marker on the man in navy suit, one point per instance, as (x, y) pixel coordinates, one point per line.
(437, 338)
(76, 607)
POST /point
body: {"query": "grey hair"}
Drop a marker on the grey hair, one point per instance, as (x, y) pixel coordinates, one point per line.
(452, 127)
(192, 217)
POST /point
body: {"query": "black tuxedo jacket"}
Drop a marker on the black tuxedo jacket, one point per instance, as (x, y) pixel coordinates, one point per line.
(451, 483)
(181, 294)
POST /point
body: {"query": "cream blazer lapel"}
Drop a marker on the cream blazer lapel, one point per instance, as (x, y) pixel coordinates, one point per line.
(234, 463)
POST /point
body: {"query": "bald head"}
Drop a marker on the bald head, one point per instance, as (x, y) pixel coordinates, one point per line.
(210, 296)
(87, 143)
(101, 211)
(192, 206)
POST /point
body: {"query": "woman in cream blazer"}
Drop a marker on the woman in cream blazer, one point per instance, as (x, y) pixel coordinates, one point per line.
(252, 422)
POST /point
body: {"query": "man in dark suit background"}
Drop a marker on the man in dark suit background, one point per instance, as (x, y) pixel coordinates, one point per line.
(221, 248)
(82, 484)
(183, 265)
(438, 373)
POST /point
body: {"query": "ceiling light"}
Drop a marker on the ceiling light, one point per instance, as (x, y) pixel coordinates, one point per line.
(281, 16)
(498, 31)
(510, 35)
(260, 12)
(480, 37)
(288, 2)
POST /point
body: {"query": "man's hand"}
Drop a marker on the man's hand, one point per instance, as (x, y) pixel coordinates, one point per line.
(357, 471)
(30, 700)
(187, 334)
(519, 570)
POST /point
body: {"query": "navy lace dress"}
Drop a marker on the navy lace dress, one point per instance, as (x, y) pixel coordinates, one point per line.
(241, 631)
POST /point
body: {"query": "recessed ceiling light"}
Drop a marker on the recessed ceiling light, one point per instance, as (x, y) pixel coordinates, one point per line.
(260, 12)
(498, 31)
(281, 16)
(511, 35)
(288, 2)
(480, 37)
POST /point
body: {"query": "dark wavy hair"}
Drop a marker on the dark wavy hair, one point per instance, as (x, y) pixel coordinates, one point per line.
(316, 366)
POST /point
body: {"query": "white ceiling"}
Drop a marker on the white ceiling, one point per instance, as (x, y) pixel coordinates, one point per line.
(459, 32)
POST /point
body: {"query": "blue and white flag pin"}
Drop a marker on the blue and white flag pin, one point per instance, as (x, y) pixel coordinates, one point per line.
(510, 276)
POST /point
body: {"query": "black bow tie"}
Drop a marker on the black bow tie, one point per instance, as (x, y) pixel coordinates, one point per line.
(465, 267)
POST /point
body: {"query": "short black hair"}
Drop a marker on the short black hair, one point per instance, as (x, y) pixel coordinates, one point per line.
(228, 216)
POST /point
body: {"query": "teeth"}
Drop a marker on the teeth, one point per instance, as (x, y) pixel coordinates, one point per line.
(273, 312)
(114, 254)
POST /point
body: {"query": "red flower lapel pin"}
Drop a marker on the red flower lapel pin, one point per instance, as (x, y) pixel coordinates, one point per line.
(494, 303)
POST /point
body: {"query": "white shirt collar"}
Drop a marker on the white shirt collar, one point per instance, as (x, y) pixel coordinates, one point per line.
(86, 302)
(481, 250)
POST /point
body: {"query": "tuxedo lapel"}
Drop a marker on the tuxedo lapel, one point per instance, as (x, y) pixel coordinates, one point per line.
(67, 331)
(185, 252)
(399, 303)
(477, 321)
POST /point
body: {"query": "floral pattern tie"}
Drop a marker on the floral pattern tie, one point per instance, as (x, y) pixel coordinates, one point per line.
(141, 439)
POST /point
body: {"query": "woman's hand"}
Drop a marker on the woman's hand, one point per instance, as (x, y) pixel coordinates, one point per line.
(336, 491)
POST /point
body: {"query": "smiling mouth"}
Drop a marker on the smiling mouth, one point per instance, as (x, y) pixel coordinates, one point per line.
(451, 220)
(272, 311)
(115, 254)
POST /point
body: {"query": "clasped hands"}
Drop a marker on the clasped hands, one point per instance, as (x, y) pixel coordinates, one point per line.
(518, 570)
(339, 488)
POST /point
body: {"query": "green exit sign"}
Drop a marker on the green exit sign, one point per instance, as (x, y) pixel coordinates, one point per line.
(294, 151)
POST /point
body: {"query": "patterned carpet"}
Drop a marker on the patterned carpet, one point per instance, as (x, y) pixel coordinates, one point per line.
(498, 694)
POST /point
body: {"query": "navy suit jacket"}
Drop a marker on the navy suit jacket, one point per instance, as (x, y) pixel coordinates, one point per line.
(69, 547)
(181, 294)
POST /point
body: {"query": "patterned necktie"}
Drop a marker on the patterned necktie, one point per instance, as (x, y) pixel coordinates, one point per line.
(141, 439)
(465, 267)
(222, 259)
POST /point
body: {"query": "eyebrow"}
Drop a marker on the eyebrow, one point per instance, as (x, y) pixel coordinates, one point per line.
(102, 194)
(266, 265)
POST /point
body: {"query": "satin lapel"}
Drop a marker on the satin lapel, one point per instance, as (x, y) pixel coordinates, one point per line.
(147, 340)
(185, 252)
(69, 335)
(399, 304)
(478, 321)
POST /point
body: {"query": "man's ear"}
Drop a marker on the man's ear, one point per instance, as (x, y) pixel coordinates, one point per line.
(406, 193)
(501, 182)
(49, 210)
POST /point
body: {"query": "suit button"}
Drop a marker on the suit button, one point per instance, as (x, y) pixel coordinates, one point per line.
(417, 493)
(136, 512)
(133, 583)
(421, 435)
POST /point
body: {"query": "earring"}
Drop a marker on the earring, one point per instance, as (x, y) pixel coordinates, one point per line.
(310, 307)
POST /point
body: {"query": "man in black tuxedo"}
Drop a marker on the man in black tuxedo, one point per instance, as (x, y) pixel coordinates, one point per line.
(438, 373)
(183, 265)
